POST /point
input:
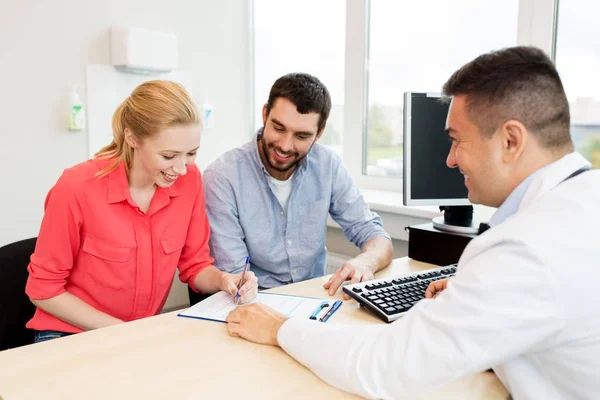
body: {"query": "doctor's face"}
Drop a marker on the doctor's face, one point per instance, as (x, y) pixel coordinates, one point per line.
(479, 158)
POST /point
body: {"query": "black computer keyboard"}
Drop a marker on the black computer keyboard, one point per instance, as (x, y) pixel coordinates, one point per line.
(390, 298)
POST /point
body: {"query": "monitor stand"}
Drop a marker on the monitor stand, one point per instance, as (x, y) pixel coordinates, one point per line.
(457, 219)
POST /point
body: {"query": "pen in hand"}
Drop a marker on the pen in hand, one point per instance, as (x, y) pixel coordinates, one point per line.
(237, 295)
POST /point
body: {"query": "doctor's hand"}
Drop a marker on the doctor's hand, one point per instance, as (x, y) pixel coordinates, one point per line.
(229, 284)
(256, 322)
(356, 270)
(435, 288)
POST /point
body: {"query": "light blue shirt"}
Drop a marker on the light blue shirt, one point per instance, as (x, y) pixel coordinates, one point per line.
(513, 201)
(284, 245)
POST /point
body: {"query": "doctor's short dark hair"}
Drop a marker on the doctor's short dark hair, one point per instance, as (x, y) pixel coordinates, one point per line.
(519, 83)
(307, 92)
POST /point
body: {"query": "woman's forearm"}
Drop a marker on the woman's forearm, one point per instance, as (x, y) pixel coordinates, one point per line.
(209, 280)
(75, 311)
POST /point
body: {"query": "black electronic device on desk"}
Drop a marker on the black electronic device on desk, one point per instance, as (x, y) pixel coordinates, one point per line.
(428, 244)
(428, 181)
(391, 298)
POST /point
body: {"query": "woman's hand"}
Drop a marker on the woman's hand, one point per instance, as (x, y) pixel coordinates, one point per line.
(248, 290)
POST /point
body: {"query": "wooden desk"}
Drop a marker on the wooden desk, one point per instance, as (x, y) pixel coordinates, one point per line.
(168, 357)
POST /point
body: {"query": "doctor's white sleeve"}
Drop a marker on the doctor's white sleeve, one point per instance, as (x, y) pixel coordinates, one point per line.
(500, 304)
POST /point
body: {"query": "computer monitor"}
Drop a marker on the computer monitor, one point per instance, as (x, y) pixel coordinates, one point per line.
(428, 181)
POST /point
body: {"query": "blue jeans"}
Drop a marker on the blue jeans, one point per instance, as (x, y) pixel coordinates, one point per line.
(42, 336)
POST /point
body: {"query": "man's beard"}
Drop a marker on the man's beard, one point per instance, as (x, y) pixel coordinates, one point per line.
(287, 168)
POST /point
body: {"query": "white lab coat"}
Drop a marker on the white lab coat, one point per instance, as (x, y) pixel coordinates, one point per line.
(523, 302)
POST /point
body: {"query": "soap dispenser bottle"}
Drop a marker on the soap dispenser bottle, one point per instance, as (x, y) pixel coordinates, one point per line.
(76, 112)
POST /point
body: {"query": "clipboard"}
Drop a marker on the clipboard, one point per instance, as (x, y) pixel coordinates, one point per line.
(219, 305)
(325, 310)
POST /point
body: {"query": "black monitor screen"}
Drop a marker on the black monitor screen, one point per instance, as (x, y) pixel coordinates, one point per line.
(430, 177)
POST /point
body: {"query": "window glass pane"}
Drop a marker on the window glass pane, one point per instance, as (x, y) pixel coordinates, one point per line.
(578, 62)
(301, 36)
(416, 46)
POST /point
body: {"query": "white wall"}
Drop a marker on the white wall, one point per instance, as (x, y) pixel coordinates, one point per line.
(44, 47)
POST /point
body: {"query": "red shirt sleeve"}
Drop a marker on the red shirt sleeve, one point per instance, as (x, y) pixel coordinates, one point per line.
(58, 241)
(196, 252)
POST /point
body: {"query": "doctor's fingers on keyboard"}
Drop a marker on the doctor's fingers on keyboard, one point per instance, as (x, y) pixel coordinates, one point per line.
(435, 287)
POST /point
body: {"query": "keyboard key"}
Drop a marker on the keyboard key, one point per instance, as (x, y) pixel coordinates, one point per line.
(391, 311)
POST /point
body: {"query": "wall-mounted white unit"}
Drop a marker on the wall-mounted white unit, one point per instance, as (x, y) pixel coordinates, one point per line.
(143, 51)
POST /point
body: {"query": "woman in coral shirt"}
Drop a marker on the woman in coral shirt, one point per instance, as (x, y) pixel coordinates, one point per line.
(117, 226)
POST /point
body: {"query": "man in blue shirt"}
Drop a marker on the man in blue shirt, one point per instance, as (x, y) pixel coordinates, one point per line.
(270, 198)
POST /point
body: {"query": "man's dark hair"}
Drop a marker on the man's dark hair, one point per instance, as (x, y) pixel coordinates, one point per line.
(517, 83)
(306, 92)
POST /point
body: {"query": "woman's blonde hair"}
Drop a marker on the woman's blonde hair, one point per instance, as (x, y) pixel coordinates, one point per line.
(151, 107)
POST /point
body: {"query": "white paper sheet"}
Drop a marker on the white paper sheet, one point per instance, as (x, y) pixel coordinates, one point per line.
(219, 305)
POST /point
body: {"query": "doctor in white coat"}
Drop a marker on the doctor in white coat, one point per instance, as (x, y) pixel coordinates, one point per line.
(523, 301)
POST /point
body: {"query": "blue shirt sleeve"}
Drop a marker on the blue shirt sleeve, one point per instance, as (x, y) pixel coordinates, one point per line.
(349, 209)
(227, 244)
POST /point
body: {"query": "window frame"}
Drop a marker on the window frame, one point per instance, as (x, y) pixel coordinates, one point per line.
(536, 26)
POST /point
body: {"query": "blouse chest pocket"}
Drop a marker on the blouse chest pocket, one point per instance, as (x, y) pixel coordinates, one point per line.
(172, 247)
(107, 264)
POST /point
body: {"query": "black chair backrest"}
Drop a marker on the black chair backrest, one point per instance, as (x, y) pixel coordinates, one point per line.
(15, 307)
(197, 297)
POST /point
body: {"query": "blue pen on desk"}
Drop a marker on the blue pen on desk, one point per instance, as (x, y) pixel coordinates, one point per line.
(237, 295)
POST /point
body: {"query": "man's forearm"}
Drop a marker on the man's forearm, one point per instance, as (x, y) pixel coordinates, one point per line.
(378, 252)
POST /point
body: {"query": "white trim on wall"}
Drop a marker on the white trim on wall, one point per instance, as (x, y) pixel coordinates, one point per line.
(251, 67)
(537, 24)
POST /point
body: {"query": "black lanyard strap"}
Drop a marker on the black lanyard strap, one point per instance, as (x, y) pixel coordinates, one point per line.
(574, 174)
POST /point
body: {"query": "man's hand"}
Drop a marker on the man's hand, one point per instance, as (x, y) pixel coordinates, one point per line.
(356, 269)
(248, 290)
(435, 288)
(256, 322)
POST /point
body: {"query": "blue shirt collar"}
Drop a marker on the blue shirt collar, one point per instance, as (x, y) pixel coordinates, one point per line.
(513, 201)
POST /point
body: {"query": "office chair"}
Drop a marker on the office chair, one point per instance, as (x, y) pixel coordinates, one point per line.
(15, 307)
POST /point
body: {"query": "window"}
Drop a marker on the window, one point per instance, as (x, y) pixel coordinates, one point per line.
(369, 52)
(414, 49)
(578, 62)
(306, 36)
